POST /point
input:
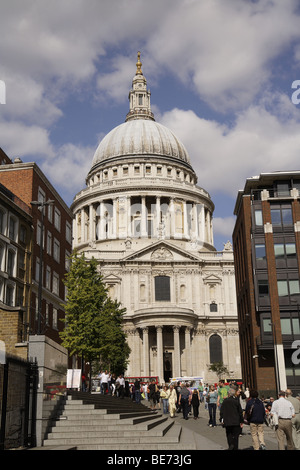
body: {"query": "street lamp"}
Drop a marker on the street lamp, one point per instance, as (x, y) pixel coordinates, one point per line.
(41, 205)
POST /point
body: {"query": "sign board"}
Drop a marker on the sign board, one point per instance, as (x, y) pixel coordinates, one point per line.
(73, 378)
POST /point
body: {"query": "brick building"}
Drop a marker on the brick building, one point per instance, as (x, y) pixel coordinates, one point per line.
(15, 271)
(266, 241)
(28, 183)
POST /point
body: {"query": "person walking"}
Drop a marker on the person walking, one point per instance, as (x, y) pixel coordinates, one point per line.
(164, 395)
(137, 391)
(285, 411)
(222, 393)
(195, 402)
(212, 398)
(296, 420)
(257, 412)
(172, 401)
(184, 400)
(231, 415)
(152, 395)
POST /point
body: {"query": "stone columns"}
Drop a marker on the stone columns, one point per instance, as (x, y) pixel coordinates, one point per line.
(146, 350)
(160, 358)
(189, 364)
(177, 368)
(143, 217)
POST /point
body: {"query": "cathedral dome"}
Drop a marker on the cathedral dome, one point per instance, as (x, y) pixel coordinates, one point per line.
(140, 137)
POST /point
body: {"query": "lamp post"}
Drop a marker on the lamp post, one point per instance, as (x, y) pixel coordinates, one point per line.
(41, 205)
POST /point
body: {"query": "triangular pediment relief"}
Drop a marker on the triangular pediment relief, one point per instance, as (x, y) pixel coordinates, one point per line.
(111, 278)
(161, 252)
(212, 279)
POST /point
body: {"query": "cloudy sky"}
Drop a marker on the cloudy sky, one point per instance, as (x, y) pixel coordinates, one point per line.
(220, 74)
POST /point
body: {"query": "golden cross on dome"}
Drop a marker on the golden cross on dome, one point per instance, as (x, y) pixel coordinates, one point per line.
(139, 65)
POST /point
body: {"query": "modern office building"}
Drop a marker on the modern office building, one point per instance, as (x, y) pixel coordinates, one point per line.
(266, 242)
(149, 225)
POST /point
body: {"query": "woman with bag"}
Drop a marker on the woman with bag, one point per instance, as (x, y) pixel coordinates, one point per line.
(255, 415)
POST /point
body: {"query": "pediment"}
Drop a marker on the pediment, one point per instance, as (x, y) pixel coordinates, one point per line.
(212, 279)
(111, 278)
(161, 252)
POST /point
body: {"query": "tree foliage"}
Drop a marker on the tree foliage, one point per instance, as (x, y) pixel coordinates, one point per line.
(219, 368)
(93, 321)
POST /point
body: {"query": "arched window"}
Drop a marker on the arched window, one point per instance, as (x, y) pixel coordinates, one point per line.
(215, 349)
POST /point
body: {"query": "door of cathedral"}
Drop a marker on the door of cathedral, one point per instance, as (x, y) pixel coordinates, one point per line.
(167, 366)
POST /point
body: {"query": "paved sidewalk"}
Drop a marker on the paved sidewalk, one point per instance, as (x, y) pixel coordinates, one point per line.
(215, 438)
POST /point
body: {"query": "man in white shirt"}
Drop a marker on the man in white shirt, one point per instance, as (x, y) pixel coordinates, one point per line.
(104, 381)
(285, 412)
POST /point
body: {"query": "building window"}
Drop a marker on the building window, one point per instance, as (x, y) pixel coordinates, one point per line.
(263, 287)
(49, 243)
(56, 250)
(281, 216)
(55, 286)
(23, 234)
(213, 307)
(162, 288)
(68, 232)
(288, 287)
(57, 219)
(258, 218)
(2, 221)
(48, 278)
(11, 256)
(12, 228)
(10, 292)
(54, 318)
(260, 252)
(215, 349)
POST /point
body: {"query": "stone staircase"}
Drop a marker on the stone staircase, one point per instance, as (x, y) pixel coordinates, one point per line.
(98, 422)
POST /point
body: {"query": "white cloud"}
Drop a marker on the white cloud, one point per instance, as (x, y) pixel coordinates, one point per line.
(223, 226)
(68, 168)
(224, 156)
(18, 140)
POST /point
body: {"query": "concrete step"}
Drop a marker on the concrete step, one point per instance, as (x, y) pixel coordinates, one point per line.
(144, 422)
(157, 428)
(132, 438)
(102, 433)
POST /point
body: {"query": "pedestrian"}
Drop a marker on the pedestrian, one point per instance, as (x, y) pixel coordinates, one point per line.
(256, 411)
(145, 390)
(137, 391)
(222, 393)
(164, 395)
(231, 415)
(212, 398)
(172, 401)
(285, 411)
(184, 400)
(296, 420)
(120, 385)
(152, 395)
(195, 402)
(104, 381)
(200, 389)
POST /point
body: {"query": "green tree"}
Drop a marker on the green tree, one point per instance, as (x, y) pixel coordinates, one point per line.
(219, 368)
(93, 322)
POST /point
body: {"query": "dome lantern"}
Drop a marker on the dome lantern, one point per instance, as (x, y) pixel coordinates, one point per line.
(139, 96)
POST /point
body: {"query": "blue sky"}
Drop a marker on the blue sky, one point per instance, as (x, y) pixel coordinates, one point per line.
(220, 73)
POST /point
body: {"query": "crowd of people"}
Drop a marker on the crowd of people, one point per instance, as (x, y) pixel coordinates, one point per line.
(234, 405)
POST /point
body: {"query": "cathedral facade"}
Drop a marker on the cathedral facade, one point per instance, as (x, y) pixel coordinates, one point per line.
(149, 225)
